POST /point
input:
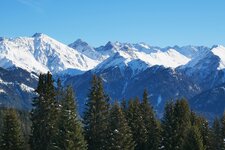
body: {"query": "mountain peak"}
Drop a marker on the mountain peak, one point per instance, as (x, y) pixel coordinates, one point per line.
(109, 45)
(42, 36)
(78, 42)
(38, 34)
(217, 46)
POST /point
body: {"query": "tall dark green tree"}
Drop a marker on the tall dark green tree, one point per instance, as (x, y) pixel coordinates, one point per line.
(217, 140)
(152, 125)
(176, 121)
(96, 116)
(182, 121)
(193, 139)
(223, 130)
(168, 127)
(120, 135)
(11, 137)
(204, 129)
(71, 136)
(137, 125)
(44, 115)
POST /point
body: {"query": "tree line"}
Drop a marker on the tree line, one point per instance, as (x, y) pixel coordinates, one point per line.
(128, 125)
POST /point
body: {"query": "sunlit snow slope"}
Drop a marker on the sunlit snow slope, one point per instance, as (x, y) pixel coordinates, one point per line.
(40, 53)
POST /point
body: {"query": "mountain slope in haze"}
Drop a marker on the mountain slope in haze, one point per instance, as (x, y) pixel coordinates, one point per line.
(211, 102)
(17, 88)
(162, 83)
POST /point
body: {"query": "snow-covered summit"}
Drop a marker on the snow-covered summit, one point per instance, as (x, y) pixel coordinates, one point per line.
(84, 48)
(41, 53)
(140, 60)
(219, 51)
(214, 56)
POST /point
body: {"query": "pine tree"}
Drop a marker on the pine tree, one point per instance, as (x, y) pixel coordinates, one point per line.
(217, 140)
(96, 116)
(124, 106)
(137, 125)
(59, 91)
(175, 123)
(152, 125)
(70, 135)
(193, 139)
(120, 136)
(168, 127)
(11, 137)
(204, 129)
(182, 121)
(223, 130)
(44, 115)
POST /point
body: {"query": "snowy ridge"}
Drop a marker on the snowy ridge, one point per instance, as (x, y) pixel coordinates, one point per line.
(220, 52)
(41, 53)
(140, 60)
(207, 56)
(87, 50)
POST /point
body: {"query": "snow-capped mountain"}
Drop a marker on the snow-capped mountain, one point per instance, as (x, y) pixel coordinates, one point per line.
(125, 68)
(136, 56)
(87, 50)
(40, 53)
(139, 60)
(207, 67)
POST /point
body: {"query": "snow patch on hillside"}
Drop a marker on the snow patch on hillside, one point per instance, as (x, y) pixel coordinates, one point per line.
(220, 52)
(26, 88)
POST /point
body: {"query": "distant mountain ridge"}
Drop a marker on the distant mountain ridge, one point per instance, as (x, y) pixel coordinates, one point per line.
(126, 69)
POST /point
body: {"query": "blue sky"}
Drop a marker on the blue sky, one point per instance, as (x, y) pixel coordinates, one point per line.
(156, 22)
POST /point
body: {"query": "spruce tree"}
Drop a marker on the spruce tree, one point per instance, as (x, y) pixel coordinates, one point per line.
(223, 130)
(11, 137)
(182, 121)
(70, 135)
(137, 125)
(120, 136)
(124, 106)
(175, 123)
(168, 127)
(204, 129)
(44, 115)
(193, 139)
(217, 140)
(152, 125)
(96, 116)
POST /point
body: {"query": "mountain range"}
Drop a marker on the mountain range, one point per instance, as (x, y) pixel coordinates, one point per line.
(193, 72)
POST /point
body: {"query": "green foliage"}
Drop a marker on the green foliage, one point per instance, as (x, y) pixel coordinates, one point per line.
(168, 127)
(152, 125)
(56, 124)
(11, 136)
(137, 125)
(96, 116)
(70, 135)
(175, 123)
(193, 139)
(223, 130)
(120, 136)
(217, 140)
(204, 129)
(44, 115)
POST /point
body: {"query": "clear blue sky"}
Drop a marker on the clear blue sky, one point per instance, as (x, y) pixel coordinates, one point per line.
(156, 22)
